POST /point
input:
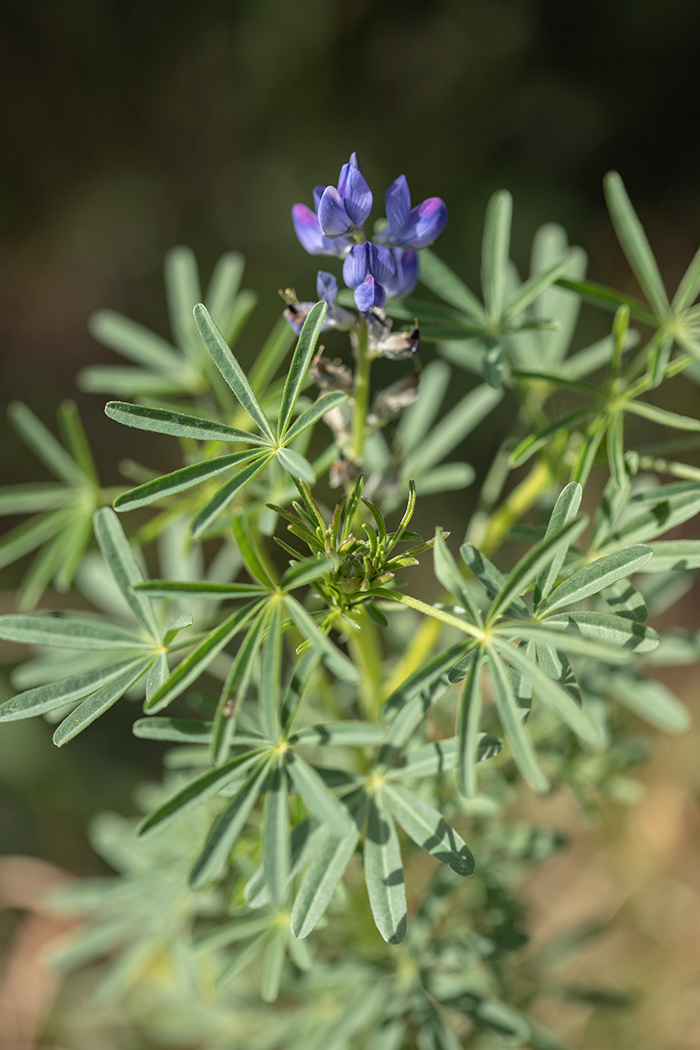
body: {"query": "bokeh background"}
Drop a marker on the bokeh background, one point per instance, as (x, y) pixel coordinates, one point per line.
(129, 127)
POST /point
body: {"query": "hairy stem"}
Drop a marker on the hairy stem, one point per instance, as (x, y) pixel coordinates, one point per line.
(361, 395)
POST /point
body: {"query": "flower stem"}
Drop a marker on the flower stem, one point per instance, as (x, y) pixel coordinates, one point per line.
(367, 654)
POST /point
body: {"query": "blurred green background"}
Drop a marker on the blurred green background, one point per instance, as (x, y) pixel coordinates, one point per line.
(129, 127)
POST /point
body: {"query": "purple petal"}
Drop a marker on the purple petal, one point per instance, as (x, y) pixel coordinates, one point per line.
(308, 230)
(426, 223)
(332, 215)
(354, 161)
(406, 275)
(370, 295)
(318, 193)
(398, 207)
(326, 287)
(355, 193)
(380, 263)
(356, 265)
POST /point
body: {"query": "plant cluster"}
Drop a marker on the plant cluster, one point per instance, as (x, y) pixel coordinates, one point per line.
(321, 838)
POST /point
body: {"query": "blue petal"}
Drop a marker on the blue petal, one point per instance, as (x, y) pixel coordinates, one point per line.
(308, 230)
(355, 193)
(426, 223)
(370, 295)
(326, 287)
(354, 161)
(318, 193)
(406, 273)
(398, 207)
(380, 263)
(332, 215)
(356, 265)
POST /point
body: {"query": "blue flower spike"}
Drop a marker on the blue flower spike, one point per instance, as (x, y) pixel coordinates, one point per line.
(409, 227)
(343, 210)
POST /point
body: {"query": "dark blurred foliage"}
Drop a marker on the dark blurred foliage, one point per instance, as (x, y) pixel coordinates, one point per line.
(129, 127)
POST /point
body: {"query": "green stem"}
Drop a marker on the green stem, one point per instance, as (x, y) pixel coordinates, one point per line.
(367, 654)
(361, 395)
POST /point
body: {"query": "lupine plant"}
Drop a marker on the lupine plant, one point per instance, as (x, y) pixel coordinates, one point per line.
(334, 828)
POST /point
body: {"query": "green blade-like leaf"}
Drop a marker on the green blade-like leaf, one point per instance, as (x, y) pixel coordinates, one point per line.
(122, 564)
(599, 574)
(70, 632)
(246, 544)
(616, 631)
(428, 830)
(319, 408)
(468, 719)
(174, 730)
(225, 495)
(183, 291)
(165, 421)
(384, 874)
(306, 571)
(510, 717)
(44, 445)
(276, 835)
(137, 343)
(271, 673)
(689, 287)
(488, 575)
(415, 422)
(565, 510)
(332, 657)
(494, 252)
(564, 632)
(534, 287)
(231, 932)
(198, 660)
(551, 693)
(198, 590)
(272, 966)
(272, 353)
(674, 505)
(625, 600)
(76, 440)
(45, 698)
(200, 789)
(439, 278)
(30, 498)
(234, 690)
(122, 381)
(650, 700)
(226, 829)
(529, 567)
(317, 797)
(440, 757)
(301, 360)
(296, 465)
(322, 877)
(223, 287)
(529, 445)
(451, 430)
(354, 733)
(231, 370)
(182, 479)
(673, 556)
(662, 416)
(634, 243)
(608, 298)
(422, 678)
(99, 702)
(451, 578)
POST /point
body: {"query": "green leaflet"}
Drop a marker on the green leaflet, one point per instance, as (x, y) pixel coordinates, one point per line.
(301, 361)
(332, 657)
(99, 702)
(231, 370)
(175, 730)
(565, 510)
(185, 478)
(70, 632)
(276, 857)
(122, 564)
(317, 798)
(421, 679)
(634, 243)
(652, 701)
(616, 631)
(451, 578)
(198, 660)
(488, 575)
(468, 719)
(226, 829)
(597, 576)
(177, 424)
(353, 733)
(321, 878)
(384, 874)
(57, 694)
(426, 827)
(440, 757)
(494, 252)
(673, 556)
(511, 720)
